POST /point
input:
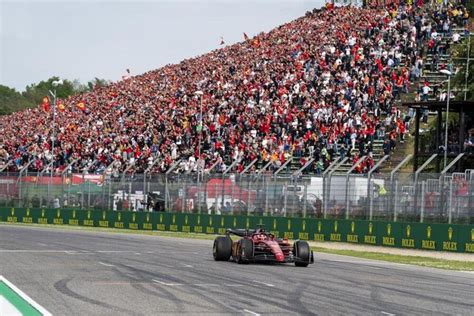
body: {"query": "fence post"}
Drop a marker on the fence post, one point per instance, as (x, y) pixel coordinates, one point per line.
(265, 187)
(417, 172)
(184, 207)
(422, 210)
(20, 187)
(216, 205)
(232, 196)
(369, 176)
(248, 199)
(450, 201)
(329, 183)
(395, 206)
(89, 195)
(305, 198)
(285, 199)
(348, 190)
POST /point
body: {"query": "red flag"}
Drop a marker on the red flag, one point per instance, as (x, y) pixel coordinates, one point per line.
(46, 105)
(256, 43)
(246, 37)
(81, 106)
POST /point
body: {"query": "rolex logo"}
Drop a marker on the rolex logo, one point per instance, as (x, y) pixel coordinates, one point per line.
(389, 229)
(353, 227)
(408, 231)
(450, 233)
(370, 228)
(428, 232)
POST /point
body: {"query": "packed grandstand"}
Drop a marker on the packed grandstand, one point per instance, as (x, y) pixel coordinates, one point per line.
(325, 85)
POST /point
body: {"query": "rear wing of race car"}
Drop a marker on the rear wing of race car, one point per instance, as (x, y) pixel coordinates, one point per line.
(241, 232)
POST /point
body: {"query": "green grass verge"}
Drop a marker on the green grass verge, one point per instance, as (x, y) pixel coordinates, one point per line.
(405, 259)
(413, 260)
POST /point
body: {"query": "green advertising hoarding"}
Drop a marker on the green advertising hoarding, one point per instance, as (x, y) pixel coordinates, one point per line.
(443, 237)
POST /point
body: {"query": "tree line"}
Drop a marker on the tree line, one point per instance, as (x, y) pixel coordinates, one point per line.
(12, 100)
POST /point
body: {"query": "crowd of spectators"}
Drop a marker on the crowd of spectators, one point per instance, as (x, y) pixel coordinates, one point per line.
(321, 86)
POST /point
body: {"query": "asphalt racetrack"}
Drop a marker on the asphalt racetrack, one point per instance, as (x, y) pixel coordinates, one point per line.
(72, 272)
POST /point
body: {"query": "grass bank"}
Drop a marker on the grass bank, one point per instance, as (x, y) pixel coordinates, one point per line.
(405, 259)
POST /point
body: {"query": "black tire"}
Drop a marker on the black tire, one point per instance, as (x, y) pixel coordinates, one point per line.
(245, 251)
(302, 252)
(222, 248)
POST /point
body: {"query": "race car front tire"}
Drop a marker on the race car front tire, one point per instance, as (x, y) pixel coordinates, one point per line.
(245, 251)
(222, 248)
(302, 252)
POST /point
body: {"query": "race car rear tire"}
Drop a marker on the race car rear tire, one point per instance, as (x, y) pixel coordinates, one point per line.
(245, 251)
(302, 252)
(222, 248)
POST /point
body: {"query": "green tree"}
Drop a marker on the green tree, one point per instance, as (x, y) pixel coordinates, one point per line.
(11, 100)
(97, 83)
(35, 92)
(459, 81)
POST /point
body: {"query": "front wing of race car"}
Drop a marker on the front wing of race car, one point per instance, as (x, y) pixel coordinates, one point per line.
(270, 257)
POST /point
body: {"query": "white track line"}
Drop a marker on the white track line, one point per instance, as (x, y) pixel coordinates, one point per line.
(267, 284)
(30, 301)
(106, 264)
(250, 312)
(34, 251)
(164, 283)
(389, 314)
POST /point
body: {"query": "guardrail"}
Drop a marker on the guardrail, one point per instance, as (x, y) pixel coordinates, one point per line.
(447, 237)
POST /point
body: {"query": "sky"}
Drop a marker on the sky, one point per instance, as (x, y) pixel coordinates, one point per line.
(83, 39)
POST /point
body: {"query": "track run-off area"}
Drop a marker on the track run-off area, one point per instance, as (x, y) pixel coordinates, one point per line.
(101, 273)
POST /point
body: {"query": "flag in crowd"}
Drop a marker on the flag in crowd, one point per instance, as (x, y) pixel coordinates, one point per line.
(45, 104)
(81, 106)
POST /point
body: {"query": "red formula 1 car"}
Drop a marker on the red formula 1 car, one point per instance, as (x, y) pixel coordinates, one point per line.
(261, 246)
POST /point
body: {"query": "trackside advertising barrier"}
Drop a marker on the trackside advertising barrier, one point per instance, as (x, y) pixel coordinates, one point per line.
(457, 238)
